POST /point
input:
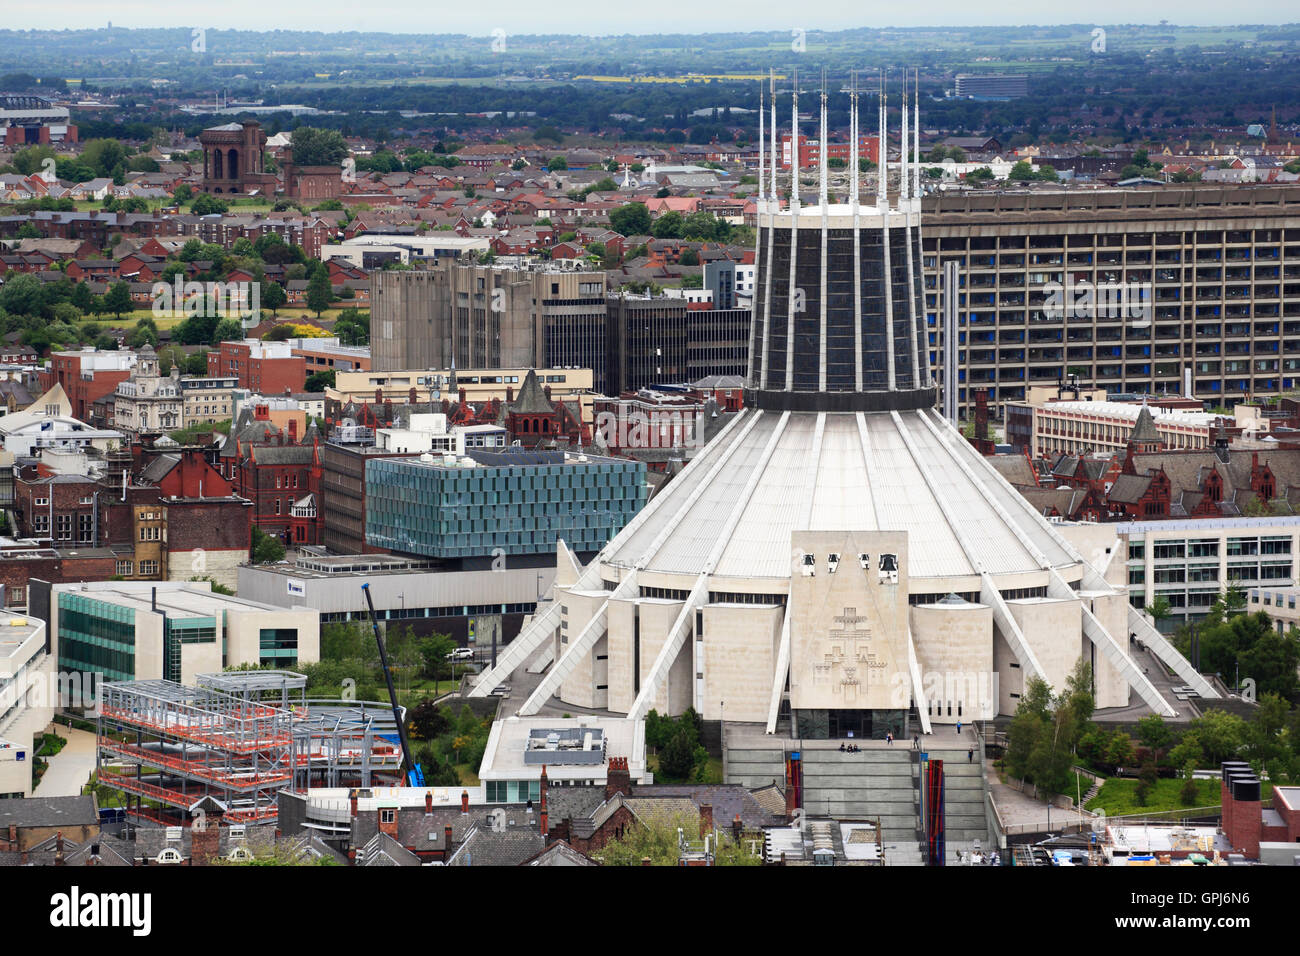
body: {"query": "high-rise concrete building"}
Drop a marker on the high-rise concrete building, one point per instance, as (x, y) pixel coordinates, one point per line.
(1203, 279)
(485, 316)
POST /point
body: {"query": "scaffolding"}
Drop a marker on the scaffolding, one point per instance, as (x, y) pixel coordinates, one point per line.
(233, 741)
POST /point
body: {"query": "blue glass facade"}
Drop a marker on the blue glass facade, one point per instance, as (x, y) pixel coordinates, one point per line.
(521, 506)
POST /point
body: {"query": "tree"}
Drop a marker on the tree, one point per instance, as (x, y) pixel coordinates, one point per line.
(318, 147)
(144, 333)
(197, 364)
(265, 548)
(273, 296)
(206, 204)
(118, 299)
(632, 219)
(428, 721)
(1021, 171)
(319, 381)
(557, 162)
(677, 759)
(1220, 734)
(1189, 793)
(1158, 610)
(667, 226)
(690, 257)
(227, 330)
(184, 193)
(1154, 733)
(1146, 781)
(319, 292)
(23, 294)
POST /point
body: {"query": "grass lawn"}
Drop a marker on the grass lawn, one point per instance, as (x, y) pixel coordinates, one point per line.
(712, 770)
(1118, 797)
(468, 775)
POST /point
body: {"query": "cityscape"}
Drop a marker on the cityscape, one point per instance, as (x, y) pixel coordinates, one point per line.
(862, 447)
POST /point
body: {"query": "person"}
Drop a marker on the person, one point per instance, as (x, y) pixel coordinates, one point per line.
(916, 741)
(842, 746)
(970, 755)
(959, 725)
(889, 739)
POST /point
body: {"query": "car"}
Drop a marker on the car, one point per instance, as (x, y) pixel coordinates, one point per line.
(461, 654)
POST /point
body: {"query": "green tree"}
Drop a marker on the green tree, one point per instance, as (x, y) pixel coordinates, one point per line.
(319, 381)
(1189, 792)
(1220, 733)
(1021, 171)
(632, 219)
(1147, 778)
(273, 296)
(118, 299)
(265, 548)
(557, 162)
(318, 147)
(206, 204)
(1154, 733)
(677, 759)
(667, 226)
(319, 292)
(197, 364)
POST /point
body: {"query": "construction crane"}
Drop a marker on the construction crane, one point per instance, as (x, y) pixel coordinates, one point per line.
(414, 774)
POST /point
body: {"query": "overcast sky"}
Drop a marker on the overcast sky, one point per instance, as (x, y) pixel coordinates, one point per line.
(567, 16)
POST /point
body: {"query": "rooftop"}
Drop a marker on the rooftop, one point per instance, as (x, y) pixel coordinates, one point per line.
(512, 747)
(175, 599)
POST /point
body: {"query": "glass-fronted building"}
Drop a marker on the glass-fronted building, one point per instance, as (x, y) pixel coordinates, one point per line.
(517, 502)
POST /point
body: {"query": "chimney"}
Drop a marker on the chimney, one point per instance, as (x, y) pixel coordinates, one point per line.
(547, 390)
(510, 394)
(706, 819)
(464, 801)
(446, 842)
(461, 393)
(446, 406)
(205, 843)
(981, 414)
(410, 396)
(353, 805)
(293, 431)
(617, 778)
(379, 395)
(58, 849)
(428, 803)
(543, 820)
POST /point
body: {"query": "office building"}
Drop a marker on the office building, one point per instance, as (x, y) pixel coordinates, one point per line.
(1218, 267)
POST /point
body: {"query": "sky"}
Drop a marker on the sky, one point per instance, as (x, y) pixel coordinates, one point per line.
(569, 17)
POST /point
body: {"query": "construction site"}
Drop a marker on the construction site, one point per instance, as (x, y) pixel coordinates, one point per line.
(229, 744)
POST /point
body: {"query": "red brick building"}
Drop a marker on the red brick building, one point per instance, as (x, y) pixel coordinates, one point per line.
(88, 375)
(267, 368)
(281, 476)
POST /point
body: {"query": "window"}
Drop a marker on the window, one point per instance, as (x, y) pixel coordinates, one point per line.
(148, 569)
(126, 568)
(41, 502)
(64, 525)
(387, 816)
(151, 533)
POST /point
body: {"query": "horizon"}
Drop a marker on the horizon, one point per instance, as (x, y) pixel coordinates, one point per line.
(525, 20)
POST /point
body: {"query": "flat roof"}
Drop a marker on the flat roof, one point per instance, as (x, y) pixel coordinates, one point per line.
(173, 601)
(504, 757)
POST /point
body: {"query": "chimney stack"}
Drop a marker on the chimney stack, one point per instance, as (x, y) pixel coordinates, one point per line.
(510, 394)
(461, 393)
(428, 803)
(379, 395)
(464, 801)
(617, 778)
(58, 849)
(293, 431)
(446, 842)
(410, 396)
(706, 819)
(352, 804)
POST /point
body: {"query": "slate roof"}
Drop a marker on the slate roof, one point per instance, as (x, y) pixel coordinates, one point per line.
(48, 812)
(1128, 489)
(532, 400)
(1144, 429)
(508, 847)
